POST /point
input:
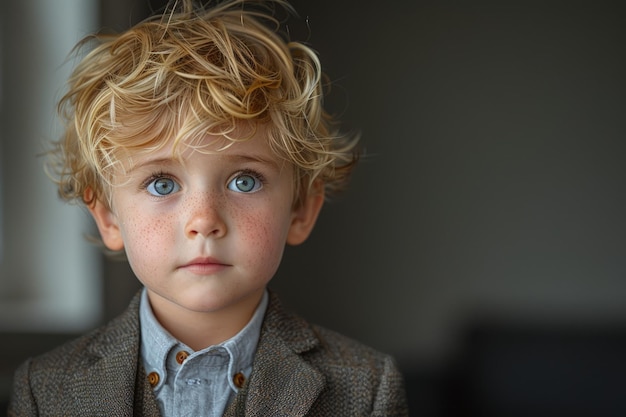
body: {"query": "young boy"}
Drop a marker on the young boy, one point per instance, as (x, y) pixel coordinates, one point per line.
(198, 142)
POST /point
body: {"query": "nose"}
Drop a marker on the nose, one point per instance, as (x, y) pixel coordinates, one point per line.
(206, 217)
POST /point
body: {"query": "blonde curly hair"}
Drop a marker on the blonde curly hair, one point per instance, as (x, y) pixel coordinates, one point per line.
(192, 71)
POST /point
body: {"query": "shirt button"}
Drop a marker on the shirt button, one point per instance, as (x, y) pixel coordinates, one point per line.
(181, 356)
(153, 379)
(239, 379)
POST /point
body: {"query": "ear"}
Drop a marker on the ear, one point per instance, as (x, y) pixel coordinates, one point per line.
(305, 216)
(107, 225)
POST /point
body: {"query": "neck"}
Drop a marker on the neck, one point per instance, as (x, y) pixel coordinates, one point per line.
(201, 329)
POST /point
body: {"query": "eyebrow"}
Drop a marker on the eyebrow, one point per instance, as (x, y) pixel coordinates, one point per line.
(149, 162)
(254, 158)
(235, 158)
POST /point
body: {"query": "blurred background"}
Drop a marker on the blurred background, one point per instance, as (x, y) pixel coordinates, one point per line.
(482, 241)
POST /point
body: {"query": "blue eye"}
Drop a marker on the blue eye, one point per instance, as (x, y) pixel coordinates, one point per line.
(162, 186)
(245, 183)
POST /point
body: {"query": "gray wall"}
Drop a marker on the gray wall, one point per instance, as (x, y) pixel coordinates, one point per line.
(493, 186)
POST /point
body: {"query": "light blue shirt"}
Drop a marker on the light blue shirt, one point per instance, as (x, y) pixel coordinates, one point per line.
(204, 383)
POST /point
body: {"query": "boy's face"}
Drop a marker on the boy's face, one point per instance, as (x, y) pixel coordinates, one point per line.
(207, 234)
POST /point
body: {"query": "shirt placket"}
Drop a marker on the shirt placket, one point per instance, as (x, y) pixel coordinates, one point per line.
(200, 383)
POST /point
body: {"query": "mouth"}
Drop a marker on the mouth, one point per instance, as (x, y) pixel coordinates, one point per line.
(204, 266)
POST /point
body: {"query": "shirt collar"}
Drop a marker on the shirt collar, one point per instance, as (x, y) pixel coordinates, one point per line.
(157, 343)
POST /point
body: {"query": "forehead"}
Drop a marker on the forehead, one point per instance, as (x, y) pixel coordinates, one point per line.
(252, 147)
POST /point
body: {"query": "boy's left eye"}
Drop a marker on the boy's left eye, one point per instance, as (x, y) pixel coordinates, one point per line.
(245, 183)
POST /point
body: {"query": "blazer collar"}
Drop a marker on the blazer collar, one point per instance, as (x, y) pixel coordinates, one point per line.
(282, 382)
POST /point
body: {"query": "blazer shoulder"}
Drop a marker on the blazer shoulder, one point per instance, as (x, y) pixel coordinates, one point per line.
(104, 357)
(357, 376)
(111, 336)
(341, 349)
(341, 356)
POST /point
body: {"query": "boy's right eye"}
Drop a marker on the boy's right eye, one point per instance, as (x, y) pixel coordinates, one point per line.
(162, 186)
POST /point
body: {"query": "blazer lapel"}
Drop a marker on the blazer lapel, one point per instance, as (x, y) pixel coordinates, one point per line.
(282, 383)
(113, 370)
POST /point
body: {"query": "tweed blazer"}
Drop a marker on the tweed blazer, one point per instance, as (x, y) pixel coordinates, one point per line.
(299, 370)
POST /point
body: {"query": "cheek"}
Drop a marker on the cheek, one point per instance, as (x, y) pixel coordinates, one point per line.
(147, 240)
(264, 233)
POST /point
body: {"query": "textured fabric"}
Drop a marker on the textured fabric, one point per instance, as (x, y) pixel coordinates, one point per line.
(298, 370)
(204, 383)
(95, 375)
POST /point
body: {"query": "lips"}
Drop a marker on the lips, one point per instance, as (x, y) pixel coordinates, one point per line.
(204, 266)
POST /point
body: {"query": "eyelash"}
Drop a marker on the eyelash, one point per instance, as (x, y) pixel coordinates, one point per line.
(153, 177)
(251, 173)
